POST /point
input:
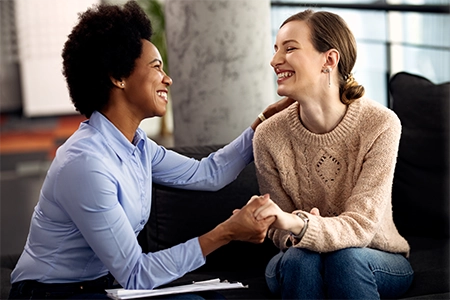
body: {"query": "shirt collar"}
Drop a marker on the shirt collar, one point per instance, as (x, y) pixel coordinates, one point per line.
(118, 142)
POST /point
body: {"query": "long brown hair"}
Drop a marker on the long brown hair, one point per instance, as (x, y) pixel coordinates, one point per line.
(329, 31)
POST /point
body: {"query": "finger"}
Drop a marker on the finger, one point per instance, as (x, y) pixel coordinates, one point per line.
(262, 208)
(315, 211)
(292, 239)
(236, 211)
(264, 211)
(256, 202)
(269, 220)
(252, 199)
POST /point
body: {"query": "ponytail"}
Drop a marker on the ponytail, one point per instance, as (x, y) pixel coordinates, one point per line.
(350, 90)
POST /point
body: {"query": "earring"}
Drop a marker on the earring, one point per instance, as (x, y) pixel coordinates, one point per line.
(328, 70)
(122, 84)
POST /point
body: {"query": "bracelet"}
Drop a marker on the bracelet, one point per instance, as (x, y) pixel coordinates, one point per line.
(262, 117)
(302, 233)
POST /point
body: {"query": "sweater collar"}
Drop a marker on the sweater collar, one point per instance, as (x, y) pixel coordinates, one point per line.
(347, 124)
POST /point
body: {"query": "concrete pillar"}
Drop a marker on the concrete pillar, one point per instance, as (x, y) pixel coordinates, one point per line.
(218, 55)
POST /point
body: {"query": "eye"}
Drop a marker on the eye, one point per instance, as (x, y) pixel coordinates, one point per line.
(158, 67)
(289, 49)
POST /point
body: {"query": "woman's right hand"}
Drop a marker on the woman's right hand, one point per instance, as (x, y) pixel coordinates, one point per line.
(244, 226)
(273, 109)
(283, 220)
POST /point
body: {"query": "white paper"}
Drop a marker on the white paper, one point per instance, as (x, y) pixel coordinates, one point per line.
(207, 285)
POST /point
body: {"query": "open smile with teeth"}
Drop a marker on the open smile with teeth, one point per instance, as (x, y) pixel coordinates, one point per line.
(162, 94)
(283, 75)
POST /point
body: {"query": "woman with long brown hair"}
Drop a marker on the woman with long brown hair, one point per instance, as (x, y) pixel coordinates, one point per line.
(327, 162)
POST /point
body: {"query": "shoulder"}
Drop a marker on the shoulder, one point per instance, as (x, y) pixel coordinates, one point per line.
(85, 141)
(84, 150)
(277, 125)
(375, 116)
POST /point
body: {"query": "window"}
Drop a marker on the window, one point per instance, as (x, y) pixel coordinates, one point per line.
(392, 36)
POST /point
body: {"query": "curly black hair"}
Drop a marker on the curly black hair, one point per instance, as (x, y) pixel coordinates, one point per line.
(105, 43)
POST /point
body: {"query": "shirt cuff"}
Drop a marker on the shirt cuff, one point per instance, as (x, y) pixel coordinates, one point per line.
(197, 252)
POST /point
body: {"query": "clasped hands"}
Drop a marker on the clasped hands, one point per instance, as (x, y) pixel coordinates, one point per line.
(251, 222)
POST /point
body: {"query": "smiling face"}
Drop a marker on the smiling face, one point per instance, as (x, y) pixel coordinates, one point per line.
(296, 62)
(146, 88)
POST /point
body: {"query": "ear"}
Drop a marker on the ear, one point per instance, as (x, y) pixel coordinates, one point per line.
(117, 82)
(331, 59)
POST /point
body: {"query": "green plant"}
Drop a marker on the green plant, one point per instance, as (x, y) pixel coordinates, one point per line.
(155, 12)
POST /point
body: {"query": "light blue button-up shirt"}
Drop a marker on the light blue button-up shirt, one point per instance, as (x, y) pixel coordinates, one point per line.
(96, 198)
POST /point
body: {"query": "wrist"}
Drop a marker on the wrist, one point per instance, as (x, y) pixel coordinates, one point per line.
(223, 234)
(255, 124)
(298, 235)
(214, 239)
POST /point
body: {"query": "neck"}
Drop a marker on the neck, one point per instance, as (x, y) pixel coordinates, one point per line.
(122, 118)
(323, 116)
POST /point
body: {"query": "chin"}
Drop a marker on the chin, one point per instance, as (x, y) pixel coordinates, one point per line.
(282, 93)
(160, 114)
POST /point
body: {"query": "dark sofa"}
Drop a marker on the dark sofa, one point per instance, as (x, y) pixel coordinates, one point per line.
(420, 204)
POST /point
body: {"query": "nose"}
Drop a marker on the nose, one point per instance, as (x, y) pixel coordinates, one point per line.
(167, 80)
(276, 59)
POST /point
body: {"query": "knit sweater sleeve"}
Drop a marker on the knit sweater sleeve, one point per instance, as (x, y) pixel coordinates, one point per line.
(269, 181)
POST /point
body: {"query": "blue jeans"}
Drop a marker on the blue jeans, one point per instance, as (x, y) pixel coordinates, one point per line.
(351, 273)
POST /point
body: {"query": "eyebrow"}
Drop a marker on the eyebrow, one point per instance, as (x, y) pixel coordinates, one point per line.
(156, 60)
(289, 41)
(286, 42)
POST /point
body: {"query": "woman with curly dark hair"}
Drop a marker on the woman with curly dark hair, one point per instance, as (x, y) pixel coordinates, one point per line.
(96, 197)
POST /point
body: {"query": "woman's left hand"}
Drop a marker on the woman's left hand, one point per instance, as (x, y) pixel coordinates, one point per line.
(315, 212)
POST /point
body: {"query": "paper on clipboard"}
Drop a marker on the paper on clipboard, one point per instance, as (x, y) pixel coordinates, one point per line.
(207, 285)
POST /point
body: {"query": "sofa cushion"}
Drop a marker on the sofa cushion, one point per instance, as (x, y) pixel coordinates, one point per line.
(7, 264)
(421, 180)
(178, 215)
(430, 261)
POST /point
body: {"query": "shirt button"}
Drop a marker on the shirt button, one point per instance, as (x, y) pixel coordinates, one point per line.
(142, 222)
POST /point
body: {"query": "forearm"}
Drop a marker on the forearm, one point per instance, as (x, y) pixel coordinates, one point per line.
(157, 268)
(214, 239)
(210, 173)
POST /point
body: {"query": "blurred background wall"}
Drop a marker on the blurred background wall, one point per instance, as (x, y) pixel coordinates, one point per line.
(10, 90)
(220, 52)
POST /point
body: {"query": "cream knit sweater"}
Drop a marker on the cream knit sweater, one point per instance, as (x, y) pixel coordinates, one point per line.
(346, 173)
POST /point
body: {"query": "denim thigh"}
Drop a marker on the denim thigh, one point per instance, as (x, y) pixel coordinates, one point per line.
(351, 273)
